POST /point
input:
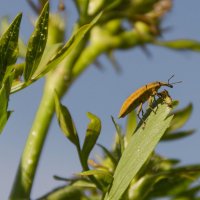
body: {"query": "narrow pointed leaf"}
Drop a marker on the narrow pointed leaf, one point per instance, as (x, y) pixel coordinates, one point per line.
(106, 175)
(140, 147)
(119, 134)
(49, 51)
(68, 47)
(65, 121)
(176, 181)
(108, 154)
(37, 43)
(92, 134)
(64, 193)
(4, 98)
(180, 118)
(131, 125)
(84, 184)
(177, 135)
(144, 185)
(9, 46)
(183, 44)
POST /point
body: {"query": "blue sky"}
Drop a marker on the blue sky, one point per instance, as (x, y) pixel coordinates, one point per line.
(102, 93)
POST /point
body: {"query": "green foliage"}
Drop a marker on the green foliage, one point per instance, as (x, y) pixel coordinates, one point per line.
(131, 169)
(4, 98)
(180, 44)
(65, 121)
(92, 134)
(9, 46)
(139, 148)
(36, 44)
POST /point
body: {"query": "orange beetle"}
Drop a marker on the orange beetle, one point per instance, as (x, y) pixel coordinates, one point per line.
(143, 94)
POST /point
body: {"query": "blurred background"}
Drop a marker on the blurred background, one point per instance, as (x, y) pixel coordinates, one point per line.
(102, 93)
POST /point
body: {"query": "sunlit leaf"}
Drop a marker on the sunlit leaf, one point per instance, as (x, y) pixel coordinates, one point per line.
(107, 176)
(65, 121)
(4, 98)
(130, 125)
(143, 186)
(37, 43)
(49, 51)
(108, 154)
(64, 193)
(119, 134)
(180, 118)
(84, 184)
(183, 44)
(177, 135)
(68, 47)
(138, 150)
(9, 46)
(92, 134)
(176, 181)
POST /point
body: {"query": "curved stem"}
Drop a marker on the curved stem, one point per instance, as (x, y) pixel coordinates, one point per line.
(30, 157)
(58, 80)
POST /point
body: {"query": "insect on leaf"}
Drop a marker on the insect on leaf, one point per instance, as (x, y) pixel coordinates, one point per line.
(139, 148)
(37, 43)
(9, 46)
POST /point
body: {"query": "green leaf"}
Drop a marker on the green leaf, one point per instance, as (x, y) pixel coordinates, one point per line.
(9, 46)
(177, 135)
(65, 121)
(84, 184)
(108, 154)
(183, 44)
(68, 47)
(143, 186)
(37, 43)
(119, 134)
(131, 125)
(138, 150)
(64, 193)
(4, 98)
(191, 193)
(107, 176)
(180, 118)
(175, 181)
(92, 134)
(49, 51)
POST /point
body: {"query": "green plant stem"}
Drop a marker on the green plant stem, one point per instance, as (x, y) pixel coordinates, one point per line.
(30, 157)
(125, 40)
(86, 168)
(58, 80)
(35, 142)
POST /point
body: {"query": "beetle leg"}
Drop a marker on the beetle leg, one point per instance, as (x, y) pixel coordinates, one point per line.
(138, 112)
(150, 103)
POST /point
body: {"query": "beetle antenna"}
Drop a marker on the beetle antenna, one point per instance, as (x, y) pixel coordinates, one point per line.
(176, 82)
(173, 82)
(170, 79)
